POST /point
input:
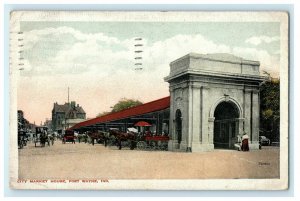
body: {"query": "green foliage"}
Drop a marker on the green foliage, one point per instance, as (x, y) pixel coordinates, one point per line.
(267, 114)
(270, 108)
(124, 104)
(102, 114)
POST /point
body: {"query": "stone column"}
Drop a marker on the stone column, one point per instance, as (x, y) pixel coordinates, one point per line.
(196, 117)
(255, 119)
(206, 122)
(190, 117)
(211, 121)
(171, 144)
(241, 126)
(203, 131)
(247, 111)
(204, 114)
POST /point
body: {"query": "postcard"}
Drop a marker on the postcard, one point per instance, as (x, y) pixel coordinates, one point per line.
(149, 100)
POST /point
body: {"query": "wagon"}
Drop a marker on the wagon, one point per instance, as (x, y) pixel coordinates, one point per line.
(41, 136)
(156, 142)
(22, 139)
(69, 136)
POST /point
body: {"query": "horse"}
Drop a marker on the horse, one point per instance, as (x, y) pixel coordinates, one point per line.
(50, 139)
(44, 139)
(104, 137)
(120, 136)
(99, 136)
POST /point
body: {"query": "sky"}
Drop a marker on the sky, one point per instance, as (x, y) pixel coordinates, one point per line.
(96, 59)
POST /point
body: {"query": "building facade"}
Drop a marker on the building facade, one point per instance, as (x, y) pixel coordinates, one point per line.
(214, 98)
(23, 123)
(66, 115)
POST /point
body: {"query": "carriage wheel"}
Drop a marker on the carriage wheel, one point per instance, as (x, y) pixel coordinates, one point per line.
(132, 144)
(149, 146)
(141, 145)
(163, 146)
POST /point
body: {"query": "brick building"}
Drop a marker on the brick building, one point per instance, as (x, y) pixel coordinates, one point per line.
(66, 115)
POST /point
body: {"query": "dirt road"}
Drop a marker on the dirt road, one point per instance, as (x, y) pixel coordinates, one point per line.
(84, 161)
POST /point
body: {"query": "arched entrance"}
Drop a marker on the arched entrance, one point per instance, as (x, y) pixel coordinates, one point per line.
(178, 126)
(226, 124)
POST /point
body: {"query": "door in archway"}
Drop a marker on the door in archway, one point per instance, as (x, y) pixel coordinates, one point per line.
(178, 126)
(226, 124)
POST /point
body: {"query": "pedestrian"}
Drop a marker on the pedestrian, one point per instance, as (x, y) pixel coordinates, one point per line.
(105, 140)
(245, 142)
(238, 143)
(85, 138)
(79, 138)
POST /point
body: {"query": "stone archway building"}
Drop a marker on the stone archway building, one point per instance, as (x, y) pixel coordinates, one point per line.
(217, 96)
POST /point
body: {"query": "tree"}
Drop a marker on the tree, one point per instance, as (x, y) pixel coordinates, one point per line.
(125, 103)
(102, 113)
(270, 108)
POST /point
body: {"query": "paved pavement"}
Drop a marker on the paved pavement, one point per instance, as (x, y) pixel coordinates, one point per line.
(84, 161)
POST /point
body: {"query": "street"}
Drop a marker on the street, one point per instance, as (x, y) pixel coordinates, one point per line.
(84, 161)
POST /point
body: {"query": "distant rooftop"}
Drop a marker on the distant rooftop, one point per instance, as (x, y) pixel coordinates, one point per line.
(66, 108)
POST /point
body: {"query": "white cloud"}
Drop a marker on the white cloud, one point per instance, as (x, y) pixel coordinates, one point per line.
(267, 61)
(99, 69)
(101, 54)
(32, 37)
(257, 40)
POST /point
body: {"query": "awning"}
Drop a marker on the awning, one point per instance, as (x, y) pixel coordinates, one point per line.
(149, 107)
(142, 123)
(132, 130)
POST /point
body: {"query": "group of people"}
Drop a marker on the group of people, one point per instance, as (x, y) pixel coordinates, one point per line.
(149, 133)
(242, 142)
(82, 138)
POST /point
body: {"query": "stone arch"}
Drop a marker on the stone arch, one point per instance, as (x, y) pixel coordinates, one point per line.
(225, 128)
(225, 99)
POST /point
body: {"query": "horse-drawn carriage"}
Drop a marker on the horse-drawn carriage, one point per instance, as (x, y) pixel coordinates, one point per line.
(153, 142)
(100, 137)
(69, 136)
(41, 136)
(22, 138)
(129, 139)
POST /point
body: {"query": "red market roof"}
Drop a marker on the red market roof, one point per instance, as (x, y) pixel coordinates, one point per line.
(152, 106)
(142, 123)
